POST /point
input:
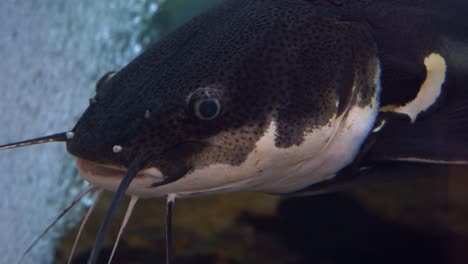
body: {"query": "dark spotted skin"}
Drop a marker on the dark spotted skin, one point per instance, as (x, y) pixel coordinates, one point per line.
(288, 61)
(405, 32)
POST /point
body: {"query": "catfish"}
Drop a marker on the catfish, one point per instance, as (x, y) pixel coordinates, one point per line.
(280, 97)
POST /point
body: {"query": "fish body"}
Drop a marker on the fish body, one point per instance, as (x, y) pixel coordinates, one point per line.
(297, 92)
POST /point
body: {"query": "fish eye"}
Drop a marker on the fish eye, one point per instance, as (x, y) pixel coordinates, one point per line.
(204, 103)
(104, 79)
(207, 109)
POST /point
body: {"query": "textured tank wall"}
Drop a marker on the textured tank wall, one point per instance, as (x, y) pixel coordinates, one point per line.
(51, 53)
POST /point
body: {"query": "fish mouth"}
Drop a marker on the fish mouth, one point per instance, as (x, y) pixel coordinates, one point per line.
(108, 177)
(100, 169)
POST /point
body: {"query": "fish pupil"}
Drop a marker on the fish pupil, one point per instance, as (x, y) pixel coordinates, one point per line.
(208, 109)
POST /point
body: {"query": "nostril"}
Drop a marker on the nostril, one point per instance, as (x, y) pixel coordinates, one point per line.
(117, 149)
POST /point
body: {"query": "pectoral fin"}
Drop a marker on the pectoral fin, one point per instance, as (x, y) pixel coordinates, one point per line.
(441, 138)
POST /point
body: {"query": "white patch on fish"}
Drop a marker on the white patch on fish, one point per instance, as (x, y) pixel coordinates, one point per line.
(430, 90)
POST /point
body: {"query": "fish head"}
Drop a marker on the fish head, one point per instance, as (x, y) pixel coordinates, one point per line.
(236, 99)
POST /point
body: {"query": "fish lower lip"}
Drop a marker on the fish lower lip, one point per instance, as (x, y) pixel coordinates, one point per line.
(108, 171)
(99, 168)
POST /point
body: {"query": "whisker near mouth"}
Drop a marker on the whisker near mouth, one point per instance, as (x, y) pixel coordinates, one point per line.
(129, 212)
(64, 211)
(59, 137)
(172, 178)
(169, 212)
(83, 223)
(136, 165)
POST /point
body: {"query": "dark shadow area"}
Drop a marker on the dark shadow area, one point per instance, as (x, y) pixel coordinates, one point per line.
(338, 229)
(331, 229)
